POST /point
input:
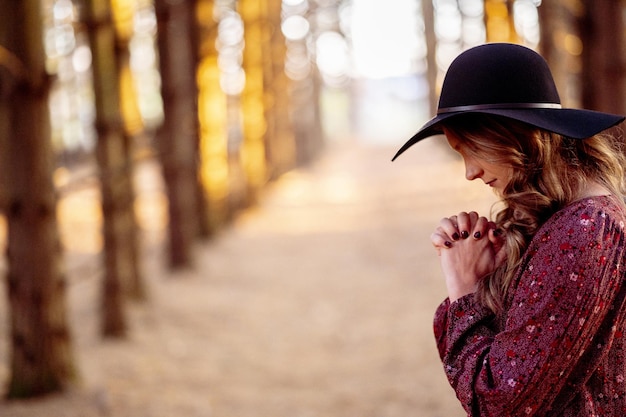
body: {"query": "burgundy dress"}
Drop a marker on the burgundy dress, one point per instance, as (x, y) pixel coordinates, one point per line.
(558, 349)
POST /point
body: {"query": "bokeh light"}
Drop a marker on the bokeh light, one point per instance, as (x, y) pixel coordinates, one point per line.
(332, 56)
(385, 40)
(295, 28)
(230, 45)
(527, 21)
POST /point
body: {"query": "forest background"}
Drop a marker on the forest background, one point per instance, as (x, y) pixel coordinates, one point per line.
(206, 104)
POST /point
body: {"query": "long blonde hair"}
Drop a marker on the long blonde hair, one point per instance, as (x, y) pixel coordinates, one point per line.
(549, 171)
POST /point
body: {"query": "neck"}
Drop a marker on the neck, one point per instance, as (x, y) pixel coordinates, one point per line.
(593, 189)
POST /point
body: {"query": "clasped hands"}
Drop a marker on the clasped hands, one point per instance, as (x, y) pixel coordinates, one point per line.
(470, 247)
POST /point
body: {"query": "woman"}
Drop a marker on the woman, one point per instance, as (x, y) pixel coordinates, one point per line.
(536, 310)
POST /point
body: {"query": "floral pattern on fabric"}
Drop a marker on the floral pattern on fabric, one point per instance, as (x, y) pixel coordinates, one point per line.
(558, 348)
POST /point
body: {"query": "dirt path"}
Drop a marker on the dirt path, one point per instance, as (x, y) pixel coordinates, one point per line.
(318, 303)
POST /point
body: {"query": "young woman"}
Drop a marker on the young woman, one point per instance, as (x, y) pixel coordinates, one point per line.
(535, 316)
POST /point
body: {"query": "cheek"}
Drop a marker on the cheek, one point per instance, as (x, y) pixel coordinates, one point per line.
(499, 171)
(506, 175)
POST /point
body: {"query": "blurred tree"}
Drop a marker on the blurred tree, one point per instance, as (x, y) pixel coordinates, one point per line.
(428, 16)
(9, 68)
(561, 46)
(499, 21)
(178, 138)
(204, 226)
(253, 150)
(306, 90)
(115, 164)
(281, 145)
(41, 354)
(213, 105)
(603, 72)
(123, 13)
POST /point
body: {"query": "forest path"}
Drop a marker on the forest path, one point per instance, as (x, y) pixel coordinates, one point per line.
(316, 303)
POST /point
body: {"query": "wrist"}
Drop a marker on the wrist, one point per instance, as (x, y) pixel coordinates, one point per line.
(458, 290)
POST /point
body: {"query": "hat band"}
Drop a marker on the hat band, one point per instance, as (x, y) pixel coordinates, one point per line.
(500, 106)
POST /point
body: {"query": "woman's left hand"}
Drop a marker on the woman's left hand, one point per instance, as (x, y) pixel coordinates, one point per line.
(470, 248)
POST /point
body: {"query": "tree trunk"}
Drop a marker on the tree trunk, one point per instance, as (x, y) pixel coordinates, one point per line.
(601, 31)
(41, 356)
(134, 282)
(216, 173)
(204, 228)
(114, 161)
(499, 22)
(5, 130)
(558, 30)
(281, 151)
(178, 137)
(305, 96)
(428, 14)
(253, 150)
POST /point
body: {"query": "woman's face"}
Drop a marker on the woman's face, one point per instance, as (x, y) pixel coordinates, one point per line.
(493, 174)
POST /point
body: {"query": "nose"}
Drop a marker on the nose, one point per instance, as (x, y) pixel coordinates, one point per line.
(473, 170)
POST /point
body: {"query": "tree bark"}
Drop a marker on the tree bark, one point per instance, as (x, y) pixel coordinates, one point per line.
(204, 227)
(114, 161)
(305, 96)
(254, 146)
(558, 31)
(603, 73)
(281, 152)
(220, 172)
(499, 22)
(135, 285)
(178, 136)
(41, 353)
(428, 14)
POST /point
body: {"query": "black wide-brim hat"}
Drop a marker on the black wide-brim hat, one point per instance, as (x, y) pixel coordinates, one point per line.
(512, 81)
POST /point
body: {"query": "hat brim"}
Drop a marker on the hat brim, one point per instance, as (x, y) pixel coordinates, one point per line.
(573, 123)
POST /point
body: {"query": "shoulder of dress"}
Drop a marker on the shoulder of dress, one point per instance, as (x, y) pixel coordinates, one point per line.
(592, 207)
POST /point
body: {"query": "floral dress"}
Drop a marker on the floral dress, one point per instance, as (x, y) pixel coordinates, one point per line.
(558, 347)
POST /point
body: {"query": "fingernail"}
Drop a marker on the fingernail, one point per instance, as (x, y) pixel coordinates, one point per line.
(455, 236)
(464, 234)
(447, 244)
(477, 235)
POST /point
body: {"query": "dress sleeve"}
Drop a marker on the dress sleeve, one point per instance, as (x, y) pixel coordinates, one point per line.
(562, 295)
